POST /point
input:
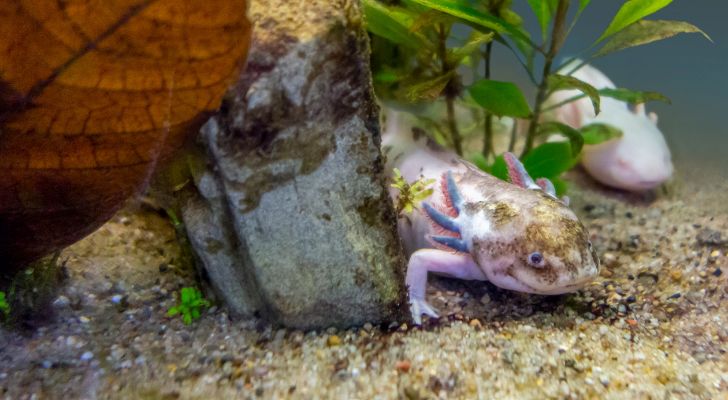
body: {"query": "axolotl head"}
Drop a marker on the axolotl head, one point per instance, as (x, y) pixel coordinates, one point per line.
(537, 245)
(521, 235)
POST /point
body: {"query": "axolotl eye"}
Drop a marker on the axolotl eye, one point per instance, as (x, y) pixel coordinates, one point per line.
(536, 260)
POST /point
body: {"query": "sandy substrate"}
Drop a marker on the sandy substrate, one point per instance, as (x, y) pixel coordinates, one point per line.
(652, 326)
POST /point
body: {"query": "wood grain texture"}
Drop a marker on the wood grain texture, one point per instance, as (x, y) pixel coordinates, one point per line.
(93, 94)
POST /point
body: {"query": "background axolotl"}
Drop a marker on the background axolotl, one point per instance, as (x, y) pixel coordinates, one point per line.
(640, 159)
(517, 235)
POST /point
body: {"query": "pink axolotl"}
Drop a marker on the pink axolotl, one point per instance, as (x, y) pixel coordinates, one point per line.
(639, 160)
(517, 235)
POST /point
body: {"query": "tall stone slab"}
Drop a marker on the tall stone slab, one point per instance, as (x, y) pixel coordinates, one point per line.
(293, 221)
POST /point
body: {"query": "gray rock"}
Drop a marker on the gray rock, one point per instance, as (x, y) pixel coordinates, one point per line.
(292, 218)
(710, 237)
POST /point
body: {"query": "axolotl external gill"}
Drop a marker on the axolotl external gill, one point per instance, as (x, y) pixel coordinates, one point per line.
(517, 235)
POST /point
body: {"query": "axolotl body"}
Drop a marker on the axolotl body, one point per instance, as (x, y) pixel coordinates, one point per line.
(517, 235)
(640, 159)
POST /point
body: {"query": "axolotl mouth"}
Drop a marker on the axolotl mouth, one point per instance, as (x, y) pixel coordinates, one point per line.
(518, 278)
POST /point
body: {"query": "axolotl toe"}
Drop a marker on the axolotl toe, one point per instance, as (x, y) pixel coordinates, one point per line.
(517, 235)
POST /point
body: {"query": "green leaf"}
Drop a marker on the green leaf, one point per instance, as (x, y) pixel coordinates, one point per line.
(386, 76)
(173, 311)
(560, 185)
(583, 4)
(431, 18)
(643, 32)
(186, 295)
(393, 24)
(428, 90)
(574, 136)
(599, 133)
(463, 10)
(542, 10)
(632, 96)
(187, 319)
(480, 161)
(499, 169)
(550, 160)
(631, 12)
(561, 82)
(500, 98)
(476, 40)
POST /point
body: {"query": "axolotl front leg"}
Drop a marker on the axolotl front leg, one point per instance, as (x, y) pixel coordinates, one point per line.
(442, 262)
(451, 258)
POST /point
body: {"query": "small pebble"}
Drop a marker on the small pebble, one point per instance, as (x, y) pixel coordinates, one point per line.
(46, 364)
(403, 366)
(675, 296)
(333, 340)
(717, 272)
(61, 302)
(676, 275)
(117, 298)
(710, 237)
(86, 356)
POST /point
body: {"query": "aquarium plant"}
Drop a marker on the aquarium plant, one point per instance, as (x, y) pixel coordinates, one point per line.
(190, 305)
(4, 306)
(410, 194)
(426, 51)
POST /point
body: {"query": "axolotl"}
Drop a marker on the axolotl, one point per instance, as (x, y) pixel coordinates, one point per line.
(639, 160)
(517, 235)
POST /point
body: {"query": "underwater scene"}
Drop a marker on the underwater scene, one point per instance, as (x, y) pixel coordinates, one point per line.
(363, 199)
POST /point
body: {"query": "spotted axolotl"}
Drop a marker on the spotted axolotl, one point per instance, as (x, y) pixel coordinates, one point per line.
(640, 159)
(517, 235)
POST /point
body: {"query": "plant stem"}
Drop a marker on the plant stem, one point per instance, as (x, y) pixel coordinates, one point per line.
(488, 130)
(456, 140)
(561, 103)
(450, 93)
(557, 39)
(512, 142)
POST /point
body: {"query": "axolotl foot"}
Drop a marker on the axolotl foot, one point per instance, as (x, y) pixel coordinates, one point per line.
(418, 307)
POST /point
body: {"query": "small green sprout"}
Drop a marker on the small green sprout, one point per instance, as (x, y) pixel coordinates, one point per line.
(410, 194)
(4, 306)
(190, 304)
